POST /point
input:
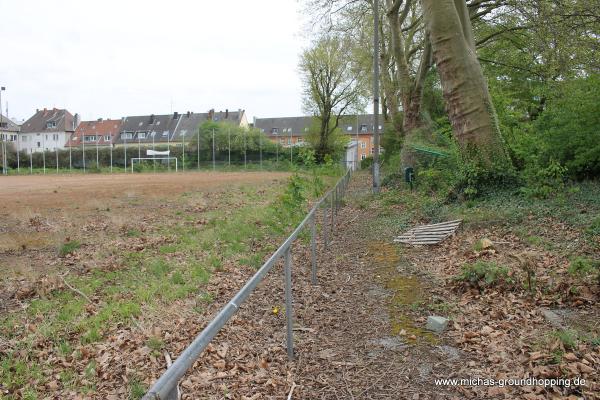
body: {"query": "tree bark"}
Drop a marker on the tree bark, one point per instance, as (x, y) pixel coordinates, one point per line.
(465, 90)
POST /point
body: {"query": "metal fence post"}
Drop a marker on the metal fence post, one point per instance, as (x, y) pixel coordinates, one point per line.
(288, 303)
(324, 227)
(332, 212)
(313, 248)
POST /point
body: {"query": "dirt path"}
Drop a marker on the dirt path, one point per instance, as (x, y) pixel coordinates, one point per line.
(354, 335)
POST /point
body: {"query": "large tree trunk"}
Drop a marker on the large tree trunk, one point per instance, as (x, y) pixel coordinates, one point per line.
(468, 101)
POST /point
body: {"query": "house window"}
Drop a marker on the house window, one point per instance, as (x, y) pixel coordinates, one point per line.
(126, 135)
(183, 132)
(349, 129)
(165, 133)
(140, 124)
(157, 122)
(55, 137)
(275, 130)
(38, 143)
(50, 124)
(363, 128)
(289, 141)
(262, 130)
(13, 138)
(3, 124)
(141, 135)
(89, 138)
(24, 139)
(305, 129)
(362, 156)
(363, 145)
(300, 140)
(107, 138)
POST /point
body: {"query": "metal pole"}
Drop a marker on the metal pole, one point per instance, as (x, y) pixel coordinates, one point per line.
(182, 154)
(31, 160)
(277, 152)
(313, 248)
(111, 156)
(291, 149)
(376, 185)
(213, 147)
(288, 303)
(245, 154)
(169, 148)
(56, 152)
(229, 146)
(18, 156)
(44, 152)
(324, 227)
(97, 158)
(332, 212)
(153, 150)
(357, 144)
(260, 148)
(71, 157)
(83, 151)
(125, 155)
(198, 146)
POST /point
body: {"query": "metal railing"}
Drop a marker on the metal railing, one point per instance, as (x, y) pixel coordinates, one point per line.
(165, 388)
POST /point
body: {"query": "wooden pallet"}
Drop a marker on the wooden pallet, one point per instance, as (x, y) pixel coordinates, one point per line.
(429, 234)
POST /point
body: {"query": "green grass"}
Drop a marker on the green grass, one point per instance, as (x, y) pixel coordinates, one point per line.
(240, 229)
(69, 247)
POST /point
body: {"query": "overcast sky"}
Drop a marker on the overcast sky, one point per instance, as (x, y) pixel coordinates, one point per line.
(109, 59)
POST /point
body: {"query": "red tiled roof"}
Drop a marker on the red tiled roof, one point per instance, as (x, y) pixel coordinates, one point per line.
(101, 129)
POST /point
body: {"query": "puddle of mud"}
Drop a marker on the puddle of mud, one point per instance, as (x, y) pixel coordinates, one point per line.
(406, 291)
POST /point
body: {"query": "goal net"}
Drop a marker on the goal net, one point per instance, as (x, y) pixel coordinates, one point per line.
(140, 159)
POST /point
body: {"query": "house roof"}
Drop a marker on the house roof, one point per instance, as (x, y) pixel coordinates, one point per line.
(171, 127)
(49, 120)
(299, 126)
(101, 128)
(11, 126)
(280, 126)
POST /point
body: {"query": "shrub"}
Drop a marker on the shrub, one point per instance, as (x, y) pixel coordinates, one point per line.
(484, 274)
(544, 182)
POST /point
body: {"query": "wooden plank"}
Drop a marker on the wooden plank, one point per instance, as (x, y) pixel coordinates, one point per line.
(429, 234)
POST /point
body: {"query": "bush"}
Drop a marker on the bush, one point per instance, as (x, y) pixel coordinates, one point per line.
(545, 182)
(366, 162)
(566, 132)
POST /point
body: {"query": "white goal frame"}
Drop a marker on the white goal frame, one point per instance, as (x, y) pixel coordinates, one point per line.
(153, 158)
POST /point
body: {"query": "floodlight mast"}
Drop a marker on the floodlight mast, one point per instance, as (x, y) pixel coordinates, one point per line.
(376, 185)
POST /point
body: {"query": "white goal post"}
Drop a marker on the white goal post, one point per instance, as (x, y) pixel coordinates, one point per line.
(153, 158)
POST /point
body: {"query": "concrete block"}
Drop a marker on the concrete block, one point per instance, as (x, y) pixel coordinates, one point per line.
(436, 324)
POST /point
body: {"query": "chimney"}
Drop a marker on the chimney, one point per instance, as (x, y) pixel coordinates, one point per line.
(152, 119)
(76, 121)
(99, 119)
(211, 114)
(175, 115)
(226, 113)
(188, 114)
(37, 110)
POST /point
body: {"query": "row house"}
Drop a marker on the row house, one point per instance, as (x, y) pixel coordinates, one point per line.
(102, 132)
(293, 131)
(172, 129)
(47, 129)
(9, 132)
